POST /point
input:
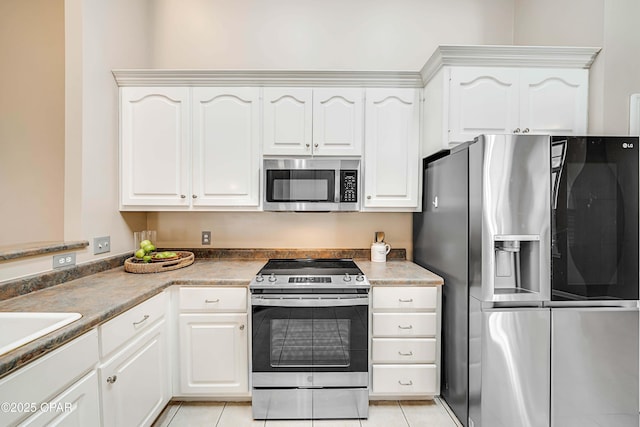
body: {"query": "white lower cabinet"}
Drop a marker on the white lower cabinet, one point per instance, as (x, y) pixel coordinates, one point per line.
(405, 341)
(213, 342)
(214, 353)
(135, 376)
(77, 406)
(58, 389)
(135, 382)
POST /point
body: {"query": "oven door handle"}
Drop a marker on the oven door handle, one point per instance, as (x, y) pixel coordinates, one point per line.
(309, 301)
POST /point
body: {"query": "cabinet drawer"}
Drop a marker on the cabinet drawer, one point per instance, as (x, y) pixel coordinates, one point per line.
(121, 329)
(216, 299)
(404, 324)
(403, 350)
(404, 379)
(409, 298)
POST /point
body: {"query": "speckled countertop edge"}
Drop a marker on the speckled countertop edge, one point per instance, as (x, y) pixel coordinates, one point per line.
(102, 296)
(11, 252)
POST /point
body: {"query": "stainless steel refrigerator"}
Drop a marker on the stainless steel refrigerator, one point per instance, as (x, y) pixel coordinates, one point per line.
(501, 216)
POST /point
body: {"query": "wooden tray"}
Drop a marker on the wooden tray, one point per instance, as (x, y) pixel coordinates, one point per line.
(184, 259)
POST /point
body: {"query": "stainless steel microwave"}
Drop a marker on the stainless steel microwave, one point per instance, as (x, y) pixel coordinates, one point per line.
(311, 185)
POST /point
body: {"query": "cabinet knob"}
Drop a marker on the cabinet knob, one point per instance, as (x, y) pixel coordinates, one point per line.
(182, 196)
(315, 145)
(368, 197)
(526, 130)
(112, 379)
(307, 145)
(242, 327)
(516, 130)
(194, 196)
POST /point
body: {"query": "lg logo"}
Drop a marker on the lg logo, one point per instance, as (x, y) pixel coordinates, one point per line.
(627, 145)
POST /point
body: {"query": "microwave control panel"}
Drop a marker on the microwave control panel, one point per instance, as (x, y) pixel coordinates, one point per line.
(349, 186)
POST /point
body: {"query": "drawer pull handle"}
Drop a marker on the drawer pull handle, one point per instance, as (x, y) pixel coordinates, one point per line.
(409, 383)
(212, 301)
(144, 319)
(405, 327)
(242, 327)
(405, 300)
(112, 379)
(405, 354)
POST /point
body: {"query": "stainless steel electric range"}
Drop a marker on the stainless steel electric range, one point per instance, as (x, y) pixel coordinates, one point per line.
(310, 340)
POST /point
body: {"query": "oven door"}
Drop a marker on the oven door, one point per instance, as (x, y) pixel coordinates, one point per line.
(594, 218)
(310, 340)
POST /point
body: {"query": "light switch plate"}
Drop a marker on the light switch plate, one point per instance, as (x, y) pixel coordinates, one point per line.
(101, 245)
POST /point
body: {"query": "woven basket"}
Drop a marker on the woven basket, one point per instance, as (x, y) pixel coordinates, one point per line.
(131, 265)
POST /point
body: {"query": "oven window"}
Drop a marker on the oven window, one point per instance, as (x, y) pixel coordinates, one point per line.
(294, 185)
(307, 343)
(306, 339)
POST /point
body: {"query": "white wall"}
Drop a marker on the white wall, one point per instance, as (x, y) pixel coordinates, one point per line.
(99, 36)
(327, 34)
(115, 34)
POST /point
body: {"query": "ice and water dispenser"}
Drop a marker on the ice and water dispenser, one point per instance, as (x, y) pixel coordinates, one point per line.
(516, 264)
(509, 217)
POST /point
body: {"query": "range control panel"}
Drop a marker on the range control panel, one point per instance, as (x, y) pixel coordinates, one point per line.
(349, 186)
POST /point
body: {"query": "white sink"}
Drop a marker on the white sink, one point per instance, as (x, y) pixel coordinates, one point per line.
(19, 328)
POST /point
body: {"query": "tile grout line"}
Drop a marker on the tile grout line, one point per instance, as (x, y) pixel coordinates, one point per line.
(220, 416)
(174, 414)
(406, 420)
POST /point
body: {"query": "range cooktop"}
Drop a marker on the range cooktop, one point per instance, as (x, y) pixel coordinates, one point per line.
(307, 273)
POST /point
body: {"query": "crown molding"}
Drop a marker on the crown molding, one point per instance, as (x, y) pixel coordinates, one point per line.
(166, 77)
(508, 56)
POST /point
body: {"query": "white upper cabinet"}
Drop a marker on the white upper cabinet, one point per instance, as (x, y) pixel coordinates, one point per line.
(391, 158)
(554, 101)
(482, 101)
(319, 122)
(473, 90)
(287, 121)
(226, 123)
(338, 122)
(184, 148)
(154, 146)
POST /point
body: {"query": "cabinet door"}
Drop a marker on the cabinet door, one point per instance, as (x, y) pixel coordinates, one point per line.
(287, 121)
(226, 155)
(391, 151)
(554, 101)
(135, 382)
(338, 116)
(482, 100)
(213, 354)
(154, 152)
(78, 406)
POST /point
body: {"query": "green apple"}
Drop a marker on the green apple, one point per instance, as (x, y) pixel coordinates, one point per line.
(140, 253)
(147, 258)
(145, 243)
(149, 248)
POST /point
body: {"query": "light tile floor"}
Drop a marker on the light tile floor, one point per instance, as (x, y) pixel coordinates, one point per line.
(238, 414)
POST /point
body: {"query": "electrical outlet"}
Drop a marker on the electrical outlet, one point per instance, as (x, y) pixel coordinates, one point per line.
(101, 245)
(206, 237)
(64, 260)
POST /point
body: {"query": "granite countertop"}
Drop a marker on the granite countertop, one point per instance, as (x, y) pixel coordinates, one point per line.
(102, 296)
